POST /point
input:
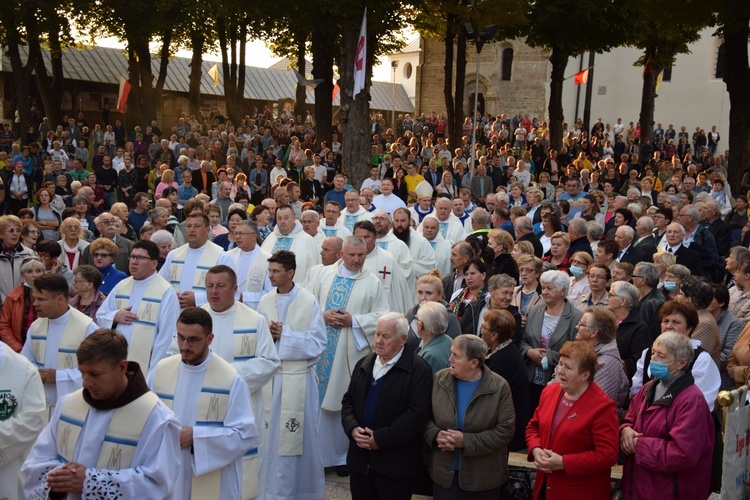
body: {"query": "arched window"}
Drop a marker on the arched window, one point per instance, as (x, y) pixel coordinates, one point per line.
(720, 58)
(506, 66)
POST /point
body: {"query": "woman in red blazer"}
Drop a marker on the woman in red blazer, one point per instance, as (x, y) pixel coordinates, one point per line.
(572, 438)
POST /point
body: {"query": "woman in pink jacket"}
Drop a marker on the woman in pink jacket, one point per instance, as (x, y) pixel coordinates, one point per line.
(668, 433)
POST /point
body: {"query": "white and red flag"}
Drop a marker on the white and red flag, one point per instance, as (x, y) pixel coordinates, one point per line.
(360, 62)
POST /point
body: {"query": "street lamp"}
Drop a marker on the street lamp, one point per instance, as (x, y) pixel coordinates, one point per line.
(487, 35)
(394, 65)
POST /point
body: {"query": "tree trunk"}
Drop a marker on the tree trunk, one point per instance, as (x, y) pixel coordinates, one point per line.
(454, 134)
(355, 112)
(21, 78)
(458, 106)
(648, 97)
(134, 99)
(737, 79)
(141, 79)
(322, 50)
(559, 61)
(300, 95)
(240, 86)
(163, 62)
(197, 40)
(50, 88)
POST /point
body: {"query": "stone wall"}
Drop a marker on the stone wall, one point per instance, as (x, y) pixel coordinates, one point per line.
(525, 92)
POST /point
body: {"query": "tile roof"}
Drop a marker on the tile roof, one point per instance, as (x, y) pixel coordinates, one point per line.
(106, 65)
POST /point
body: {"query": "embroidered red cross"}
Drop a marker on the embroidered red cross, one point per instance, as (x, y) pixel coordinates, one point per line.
(385, 272)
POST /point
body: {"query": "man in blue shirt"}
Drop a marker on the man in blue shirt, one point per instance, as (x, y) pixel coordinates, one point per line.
(573, 195)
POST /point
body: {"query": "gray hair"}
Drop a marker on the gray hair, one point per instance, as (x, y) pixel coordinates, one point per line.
(740, 253)
(680, 271)
(634, 191)
(714, 205)
(355, 241)
(628, 231)
(252, 226)
(558, 279)
(594, 230)
(678, 344)
(579, 225)
(32, 263)
(649, 272)
(693, 212)
(647, 223)
(502, 197)
(524, 223)
(704, 196)
(434, 317)
(603, 321)
(402, 326)
(636, 208)
(627, 291)
(481, 217)
(162, 236)
(311, 213)
(500, 281)
(472, 346)
(442, 200)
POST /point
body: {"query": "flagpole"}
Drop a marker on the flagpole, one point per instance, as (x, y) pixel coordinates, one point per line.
(589, 91)
(578, 89)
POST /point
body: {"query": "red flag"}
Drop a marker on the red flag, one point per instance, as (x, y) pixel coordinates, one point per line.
(122, 94)
(359, 61)
(335, 91)
(581, 77)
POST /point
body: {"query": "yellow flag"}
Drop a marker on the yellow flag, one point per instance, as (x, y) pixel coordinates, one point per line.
(659, 80)
(214, 73)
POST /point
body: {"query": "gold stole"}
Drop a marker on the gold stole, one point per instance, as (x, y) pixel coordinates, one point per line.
(294, 373)
(122, 436)
(144, 329)
(207, 260)
(213, 402)
(73, 335)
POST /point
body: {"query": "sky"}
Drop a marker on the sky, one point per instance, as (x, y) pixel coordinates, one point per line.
(259, 55)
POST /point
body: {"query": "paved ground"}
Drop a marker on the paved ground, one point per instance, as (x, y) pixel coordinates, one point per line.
(337, 488)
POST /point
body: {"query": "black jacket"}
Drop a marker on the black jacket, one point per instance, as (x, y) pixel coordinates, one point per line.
(632, 339)
(581, 244)
(538, 248)
(403, 410)
(448, 290)
(509, 364)
(502, 264)
(722, 234)
(647, 247)
(648, 309)
(633, 256)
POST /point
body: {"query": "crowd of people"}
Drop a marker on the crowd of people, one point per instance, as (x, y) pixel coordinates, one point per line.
(219, 311)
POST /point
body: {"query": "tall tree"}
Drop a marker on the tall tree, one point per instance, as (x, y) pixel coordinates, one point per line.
(568, 28)
(733, 20)
(661, 38)
(231, 28)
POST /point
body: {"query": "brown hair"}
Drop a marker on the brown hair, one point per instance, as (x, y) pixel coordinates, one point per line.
(584, 353)
(501, 322)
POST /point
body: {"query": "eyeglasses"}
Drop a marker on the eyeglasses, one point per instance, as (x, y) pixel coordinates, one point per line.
(139, 258)
(191, 341)
(101, 255)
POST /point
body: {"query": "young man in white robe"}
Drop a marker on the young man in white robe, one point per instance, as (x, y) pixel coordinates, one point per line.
(442, 248)
(386, 200)
(288, 235)
(332, 224)
(330, 253)
(213, 406)
(111, 439)
(185, 267)
(423, 258)
(251, 263)
(354, 211)
(23, 414)
(142, 307)
(401, 297)
(294, 469)
(243, 339)
(450, 226)
(352, 299)
(53, 338)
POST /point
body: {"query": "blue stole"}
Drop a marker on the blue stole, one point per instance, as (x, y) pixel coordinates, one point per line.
(330, 233)
(338, 298)
(433, 244)
(282, 244)
(349, 221)
(443, 229)
(382, 244)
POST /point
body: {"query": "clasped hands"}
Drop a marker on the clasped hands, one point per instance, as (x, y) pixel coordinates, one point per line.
(547, 460)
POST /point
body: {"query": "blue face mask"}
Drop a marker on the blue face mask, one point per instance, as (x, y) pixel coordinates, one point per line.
(670, 286)
(576, 271)
(660, 370)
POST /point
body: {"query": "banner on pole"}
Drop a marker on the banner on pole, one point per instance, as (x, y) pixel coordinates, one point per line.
(736, 459)
(360, 61)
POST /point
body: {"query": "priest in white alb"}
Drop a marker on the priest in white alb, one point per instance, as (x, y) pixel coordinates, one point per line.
(332, 224)
(423, 258)
(294, 469)
(53, 338)
(330, 253)
(288, 235)
(23, 414)
(352, 299)
(431, 232)
(401, 297)
(451, 228)
(354, 211)
(424, 206)
(386, 240)
(185, 267)
(142, 307)
(310, 221)
(242, 338)
(111, 439)
(213, 406)
(251, 263)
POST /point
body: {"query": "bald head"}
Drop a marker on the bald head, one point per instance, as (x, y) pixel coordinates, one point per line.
(330, 250)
